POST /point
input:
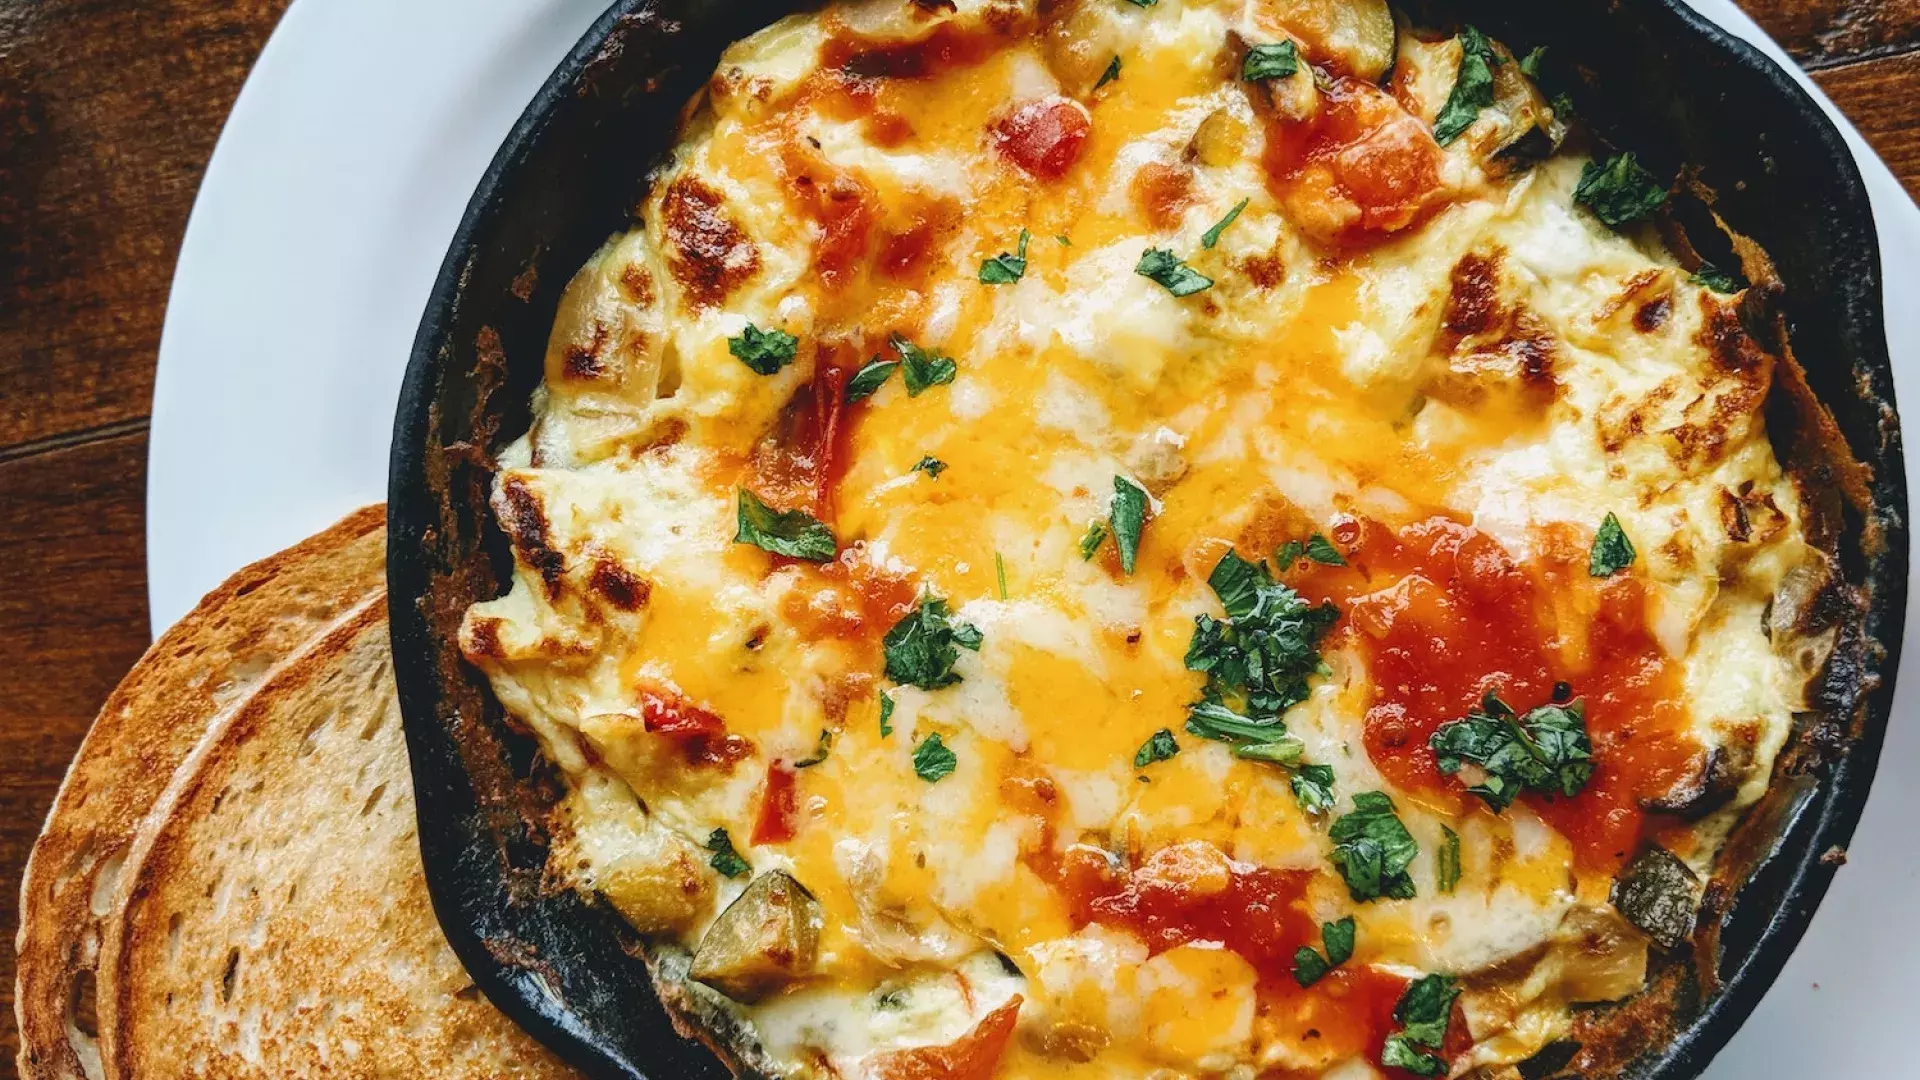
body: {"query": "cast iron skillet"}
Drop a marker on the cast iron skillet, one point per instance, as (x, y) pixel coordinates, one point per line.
(1651, 76)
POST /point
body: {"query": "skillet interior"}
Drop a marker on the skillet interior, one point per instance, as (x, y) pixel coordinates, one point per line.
(1652, 76)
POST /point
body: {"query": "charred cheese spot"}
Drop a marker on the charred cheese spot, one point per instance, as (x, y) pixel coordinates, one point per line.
(709, 254)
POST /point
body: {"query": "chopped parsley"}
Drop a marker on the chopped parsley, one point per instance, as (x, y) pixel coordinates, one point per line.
(820, 751)
(1284, 751)
(922, 368)
(1422, 1013)
(921, 648)
(765, 351)
(1270, 62)
(1005, 269)
(1128, 517)
(1158, 747)
(1257, 664)
(1372, 849)
(1447, 861)
(725, 858)
(1313, 788)
(1107, 76)
(1545, 751)
(1310, 967)
(1472, 87)
(1175, 276)
(1530, 64)
(886, 715)
(1090, 543)
(1000, 573)
(1287, 554)
(1210, 720)
(1712, 277)
(1143, 3)
(870, 378)
(930, 465)
(1322, 551)
(1258, 661)
(1212, 236)
(793, 533)
(1612, 551)
(1619, 192)
(1265, 741)
(932, 761)
(1061, 238)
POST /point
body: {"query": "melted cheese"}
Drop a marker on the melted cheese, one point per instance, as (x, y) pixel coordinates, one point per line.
(1499, 359)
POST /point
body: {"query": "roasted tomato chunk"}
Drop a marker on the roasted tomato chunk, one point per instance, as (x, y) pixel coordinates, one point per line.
(1044, 137)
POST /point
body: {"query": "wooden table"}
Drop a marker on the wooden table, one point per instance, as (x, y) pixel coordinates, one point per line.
(108, 111)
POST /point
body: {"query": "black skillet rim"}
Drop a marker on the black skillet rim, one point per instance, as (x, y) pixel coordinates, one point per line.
(450, 823)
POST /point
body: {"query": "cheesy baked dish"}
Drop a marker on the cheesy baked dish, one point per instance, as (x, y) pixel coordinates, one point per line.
(1148, 538)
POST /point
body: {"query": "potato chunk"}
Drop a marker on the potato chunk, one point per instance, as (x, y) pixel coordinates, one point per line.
(765, 939)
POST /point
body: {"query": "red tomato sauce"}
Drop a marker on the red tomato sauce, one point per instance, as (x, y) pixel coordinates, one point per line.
(779, 806)
(1262, 916)
(1374, 153)
(1444, 614)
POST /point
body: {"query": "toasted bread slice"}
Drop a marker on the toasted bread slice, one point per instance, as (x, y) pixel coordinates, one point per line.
(276, 921)
(193, 676)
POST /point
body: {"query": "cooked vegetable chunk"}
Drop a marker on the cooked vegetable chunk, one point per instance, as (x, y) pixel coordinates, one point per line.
(765, 939)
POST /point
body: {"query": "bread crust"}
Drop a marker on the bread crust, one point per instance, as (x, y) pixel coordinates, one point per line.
(198, 672)
(276, 920)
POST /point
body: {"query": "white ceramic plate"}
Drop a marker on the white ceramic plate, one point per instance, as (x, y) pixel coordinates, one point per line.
(321, 223)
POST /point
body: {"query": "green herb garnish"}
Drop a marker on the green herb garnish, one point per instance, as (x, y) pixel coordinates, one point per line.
(1422, 1014)
(765, 351)
(1372, 849)
(725, 858)
(1619, 192)
(820, 751)
(1212, 236)
(921, 367)
(930, 465)
(921, 648)
(1545, 751)
(1107, 76)
(1712, 277)
(1090, 543)
(1128, 516)
(1287, 554)
(1472, 87)
(932, 761)
(1259, 660)
(793, 533)
(1000, 573)
(1612, 552)
(1322, 551)
(870, 378)
(1447, 860)
(1159, 747)
(1313, 788)
(1270, 62)
(886, 715)
(1310, 967)
(1530, 64)
(1175, 276)
(1005, 269)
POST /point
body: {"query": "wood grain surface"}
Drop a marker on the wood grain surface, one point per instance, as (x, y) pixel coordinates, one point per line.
(108, 110)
